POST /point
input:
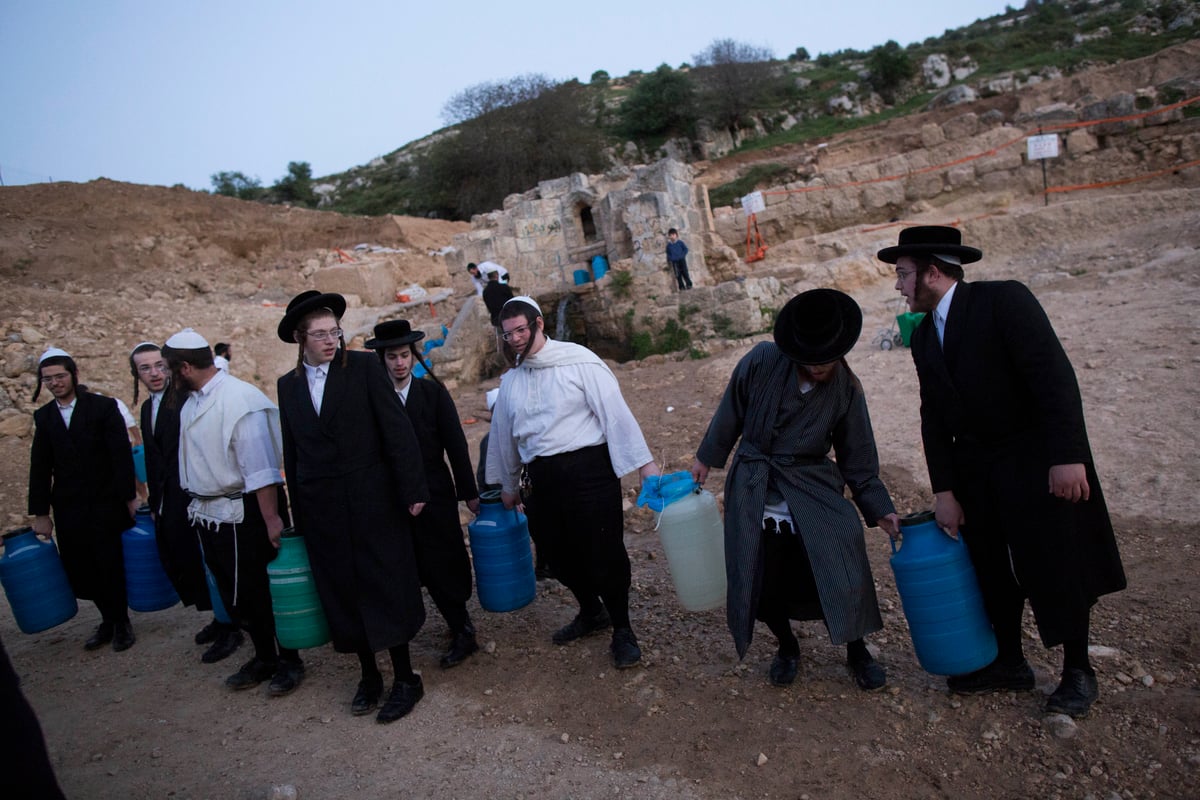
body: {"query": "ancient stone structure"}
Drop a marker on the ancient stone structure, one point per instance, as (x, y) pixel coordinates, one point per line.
(548, 234)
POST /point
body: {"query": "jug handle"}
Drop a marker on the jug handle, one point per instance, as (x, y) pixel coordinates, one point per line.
(962, 542)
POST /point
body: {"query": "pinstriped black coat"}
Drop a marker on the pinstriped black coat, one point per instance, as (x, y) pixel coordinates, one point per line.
(833, 415)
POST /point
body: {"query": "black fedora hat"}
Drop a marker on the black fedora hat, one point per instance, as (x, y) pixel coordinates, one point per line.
(818, 326)
(393, 333)
(305, 303)
(931, 240)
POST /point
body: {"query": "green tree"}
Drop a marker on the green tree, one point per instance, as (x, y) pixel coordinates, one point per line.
(511, 147)
(735, 78)
(296, 186)
(890, 69)
(801, 54)
(662, 103)
(600, 77)
(236, 184)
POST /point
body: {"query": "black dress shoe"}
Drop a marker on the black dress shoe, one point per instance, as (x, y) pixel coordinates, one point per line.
(287, 677)
(123, 637)
(624, 648)
(995, 677)
(100, 637)
(226, 643)
(252, 673)
(208, 634)
(366, 699)
(582, 626)
(869, 674)
(1074, 695)
(461, 648)
(402, 699)
(783, 669)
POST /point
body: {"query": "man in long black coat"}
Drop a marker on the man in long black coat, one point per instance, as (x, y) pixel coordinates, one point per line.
(354, 476)
(178, 547)
(1009, 461)
(83, 469)
(442, 559)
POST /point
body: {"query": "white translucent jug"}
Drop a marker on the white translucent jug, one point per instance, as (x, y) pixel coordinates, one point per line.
(694, 541)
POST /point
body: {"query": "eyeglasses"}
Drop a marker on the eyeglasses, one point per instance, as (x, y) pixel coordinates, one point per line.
(903, 274)
(520, 330)
(58, 376)
(324, 336)
(147, 369)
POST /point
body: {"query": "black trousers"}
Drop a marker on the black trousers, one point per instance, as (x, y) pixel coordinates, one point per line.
(574, 504)
(442, 561)
(237, 555)
(24, 763)
(682, 278)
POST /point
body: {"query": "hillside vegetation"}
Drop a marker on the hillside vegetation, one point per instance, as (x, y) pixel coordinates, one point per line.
(503, 137)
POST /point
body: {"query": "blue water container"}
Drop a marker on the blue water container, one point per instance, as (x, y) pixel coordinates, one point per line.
(35, 582)
(147, 586)
(582, 276)
(214, 595)
(139, 462)
(502, 556)
(142, 518)
(941, 598)
(599, 266)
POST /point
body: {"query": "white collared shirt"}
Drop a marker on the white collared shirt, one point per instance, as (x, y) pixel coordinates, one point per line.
(317, 378)
(942, 310)
(156, 399)
(403, 393)
(67, 410)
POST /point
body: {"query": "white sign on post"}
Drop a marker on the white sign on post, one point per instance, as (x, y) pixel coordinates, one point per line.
(1043, 146)
(753, 203)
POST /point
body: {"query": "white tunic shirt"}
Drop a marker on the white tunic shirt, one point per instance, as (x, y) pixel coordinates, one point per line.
(560, 400)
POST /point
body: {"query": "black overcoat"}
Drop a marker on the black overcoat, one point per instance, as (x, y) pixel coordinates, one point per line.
(442, 553)
(351, 473)
(178, 547)
(85, 474)
(1000, 405)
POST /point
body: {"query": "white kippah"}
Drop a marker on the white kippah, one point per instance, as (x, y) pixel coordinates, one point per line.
(54, 352)
(139, 345)
(187, 339)
(492, 394)
(524, 298)
(949, 259)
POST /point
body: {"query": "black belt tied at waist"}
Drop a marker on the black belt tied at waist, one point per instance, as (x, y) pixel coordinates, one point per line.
(231, 496)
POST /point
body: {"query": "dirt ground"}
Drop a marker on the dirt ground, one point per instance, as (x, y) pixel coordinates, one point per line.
(1119, 275)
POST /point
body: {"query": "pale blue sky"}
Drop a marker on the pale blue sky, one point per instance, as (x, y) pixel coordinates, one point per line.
(168, 92)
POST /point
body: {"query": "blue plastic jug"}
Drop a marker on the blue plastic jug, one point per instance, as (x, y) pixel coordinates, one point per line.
(582, 276)
(147, 586)
(35, 582)
(214, 594)
(502, 555)
(299, 617)
(599, 266)
(949, 627)
(139, 462)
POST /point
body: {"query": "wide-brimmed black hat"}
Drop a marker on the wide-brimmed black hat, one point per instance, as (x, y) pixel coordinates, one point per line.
(818, 326)
(305, 303)
(931, 240)
(394, 333)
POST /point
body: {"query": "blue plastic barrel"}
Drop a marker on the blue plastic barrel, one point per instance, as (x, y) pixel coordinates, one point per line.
(502, 556)
(35, 582)
(214, 595)
(582, 276)
(941, 598)
(147, 586)
(139, 462)
(599, 266)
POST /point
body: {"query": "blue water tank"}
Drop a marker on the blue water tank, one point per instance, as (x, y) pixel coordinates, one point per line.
(147, 586)
(582, 276)
(502, 555)
(599, 266)
(942, 602)
(35, 582)
(214, 595)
